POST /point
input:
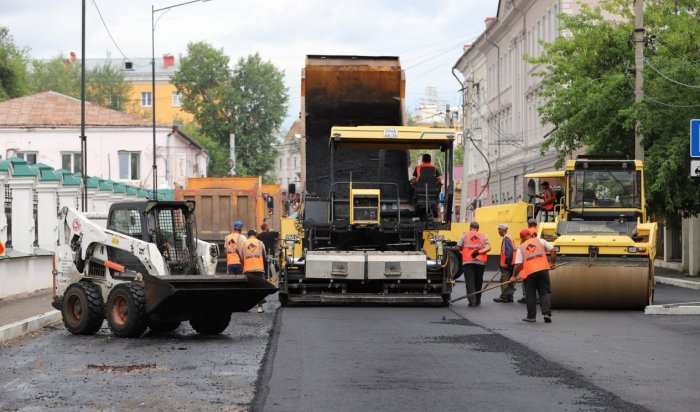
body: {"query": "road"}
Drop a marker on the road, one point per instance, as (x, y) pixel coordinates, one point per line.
(180, 371)
(485, 358)
(371, 358)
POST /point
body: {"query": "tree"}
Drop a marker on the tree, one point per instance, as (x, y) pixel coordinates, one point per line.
(60, 74)
(104, 85)
(219, 160)
(13, 63)
(248, 102)
(588, 88)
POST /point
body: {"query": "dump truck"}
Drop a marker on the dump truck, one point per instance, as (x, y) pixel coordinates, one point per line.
(146, 269)
(359, 237)
(223, 200)
(600, 230)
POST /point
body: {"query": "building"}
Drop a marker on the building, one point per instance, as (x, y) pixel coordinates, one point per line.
(501, 98)
(45, 128)
(138, 73)
(288, 161)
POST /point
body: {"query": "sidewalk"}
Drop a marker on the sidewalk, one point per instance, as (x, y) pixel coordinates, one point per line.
(26, 314)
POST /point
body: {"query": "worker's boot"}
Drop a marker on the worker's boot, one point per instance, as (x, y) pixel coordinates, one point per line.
(260, 308)
(502, 299)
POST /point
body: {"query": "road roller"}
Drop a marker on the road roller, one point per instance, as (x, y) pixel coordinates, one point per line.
(605, 245)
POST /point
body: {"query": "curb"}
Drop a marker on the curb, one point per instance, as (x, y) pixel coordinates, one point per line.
(22, 327)
(692, 308)
(681, 283)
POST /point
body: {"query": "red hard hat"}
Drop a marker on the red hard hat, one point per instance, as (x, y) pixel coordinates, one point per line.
(525, 234)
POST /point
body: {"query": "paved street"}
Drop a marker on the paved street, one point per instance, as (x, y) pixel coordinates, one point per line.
(371, 358)
(416, 359)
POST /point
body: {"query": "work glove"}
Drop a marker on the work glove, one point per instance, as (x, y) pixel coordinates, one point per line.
(475, 254)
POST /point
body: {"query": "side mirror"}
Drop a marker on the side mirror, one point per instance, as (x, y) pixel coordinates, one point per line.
(270, 202)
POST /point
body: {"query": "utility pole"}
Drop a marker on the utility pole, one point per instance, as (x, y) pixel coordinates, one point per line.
(638, 73)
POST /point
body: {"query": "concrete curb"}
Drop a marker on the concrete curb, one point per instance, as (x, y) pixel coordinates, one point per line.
(22, 327)
(681, 283)
(692, 308)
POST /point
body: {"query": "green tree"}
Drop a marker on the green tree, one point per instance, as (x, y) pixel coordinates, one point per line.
(588, 88)
(60, 74)
(13, 63)
(219, 160)
(106, 86)
(248, 102)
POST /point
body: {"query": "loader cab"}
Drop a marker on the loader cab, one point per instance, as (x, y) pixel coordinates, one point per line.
(170, 225)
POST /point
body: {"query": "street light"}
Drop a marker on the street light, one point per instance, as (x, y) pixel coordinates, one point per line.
(153, 81)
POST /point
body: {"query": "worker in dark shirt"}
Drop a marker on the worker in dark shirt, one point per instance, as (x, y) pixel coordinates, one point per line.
(269, 239)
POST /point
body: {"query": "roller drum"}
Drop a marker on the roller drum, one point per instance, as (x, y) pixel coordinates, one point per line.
(601, 284)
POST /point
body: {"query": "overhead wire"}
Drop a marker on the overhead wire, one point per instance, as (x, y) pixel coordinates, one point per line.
(690, 86)
(94, 2)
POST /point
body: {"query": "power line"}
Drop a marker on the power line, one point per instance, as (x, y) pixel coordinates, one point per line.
(648, 63)
(671, 105)
(107, 28)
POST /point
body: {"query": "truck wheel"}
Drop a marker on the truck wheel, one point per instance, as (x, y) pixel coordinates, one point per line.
(83, 309)
(163, 326)
(211, 324)
(126, 310)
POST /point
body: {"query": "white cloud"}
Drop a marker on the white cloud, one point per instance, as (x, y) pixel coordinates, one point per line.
(427, 35)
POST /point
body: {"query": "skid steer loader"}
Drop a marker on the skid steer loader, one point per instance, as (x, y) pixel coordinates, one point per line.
(145, 270)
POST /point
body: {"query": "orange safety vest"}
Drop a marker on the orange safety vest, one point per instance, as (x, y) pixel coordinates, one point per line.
(534, 257)
(472, 241)
(548, 200)
(231, 244)
(503, 251)
(422, 165)
(253, 254)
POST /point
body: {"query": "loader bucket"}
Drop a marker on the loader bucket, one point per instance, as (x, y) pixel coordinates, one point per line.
(183, 297)
(604, 283)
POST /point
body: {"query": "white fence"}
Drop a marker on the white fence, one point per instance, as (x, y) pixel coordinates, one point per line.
(31, 197)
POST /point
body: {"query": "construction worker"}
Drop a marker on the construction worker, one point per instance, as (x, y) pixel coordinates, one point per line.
(532, 227)
(548, 200)
(231, 242)
(532, 267)
(474, 246)
(269, 239)
(506, 264)
(424, 165)
(252, 253)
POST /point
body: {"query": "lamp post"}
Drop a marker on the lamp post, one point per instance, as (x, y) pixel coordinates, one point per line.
(153, 81)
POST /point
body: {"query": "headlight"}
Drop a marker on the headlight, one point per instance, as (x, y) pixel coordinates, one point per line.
(635, 249)
(556, 249)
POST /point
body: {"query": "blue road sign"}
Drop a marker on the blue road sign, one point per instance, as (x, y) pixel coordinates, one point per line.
(695, 138)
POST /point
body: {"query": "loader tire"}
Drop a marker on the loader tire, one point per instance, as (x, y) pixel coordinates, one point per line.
(163, 326)
(83, 310)
(126, 310)
(212, 324)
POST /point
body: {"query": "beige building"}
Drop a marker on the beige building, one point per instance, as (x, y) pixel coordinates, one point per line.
(501, 97)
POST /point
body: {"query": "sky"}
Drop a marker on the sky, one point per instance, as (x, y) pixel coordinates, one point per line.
(428, 36)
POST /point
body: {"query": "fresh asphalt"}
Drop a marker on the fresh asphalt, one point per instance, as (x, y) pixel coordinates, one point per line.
(485, 358)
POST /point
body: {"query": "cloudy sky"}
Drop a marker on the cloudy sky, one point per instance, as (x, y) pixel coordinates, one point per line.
(427, 35)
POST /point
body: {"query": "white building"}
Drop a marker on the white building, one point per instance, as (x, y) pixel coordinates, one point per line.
(288, 162)
(45, 128)
(502, 94)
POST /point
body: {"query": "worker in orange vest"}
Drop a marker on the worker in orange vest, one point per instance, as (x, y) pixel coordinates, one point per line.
(252, 253)
(231, 242)
(532, 227)
(532, 266)
(474, 246)
(506, 265)
(548, 200)
(425, 164)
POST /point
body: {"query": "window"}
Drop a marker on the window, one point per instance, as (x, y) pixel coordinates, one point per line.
(146, 99)
(30, 157)
(176, 99)
(129, 165)
(72, 161)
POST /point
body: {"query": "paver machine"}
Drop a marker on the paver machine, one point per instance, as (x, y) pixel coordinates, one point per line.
(147, 269)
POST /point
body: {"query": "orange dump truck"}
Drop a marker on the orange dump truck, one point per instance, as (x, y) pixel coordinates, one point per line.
(223, 200)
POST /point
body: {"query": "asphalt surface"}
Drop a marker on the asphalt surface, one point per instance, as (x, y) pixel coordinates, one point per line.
(180, 371)
(485, 358)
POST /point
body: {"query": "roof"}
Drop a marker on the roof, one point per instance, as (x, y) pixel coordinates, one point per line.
(51, 109)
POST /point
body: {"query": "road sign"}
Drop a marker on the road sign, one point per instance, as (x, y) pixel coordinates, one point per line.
(695, 138)
(695, 168)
